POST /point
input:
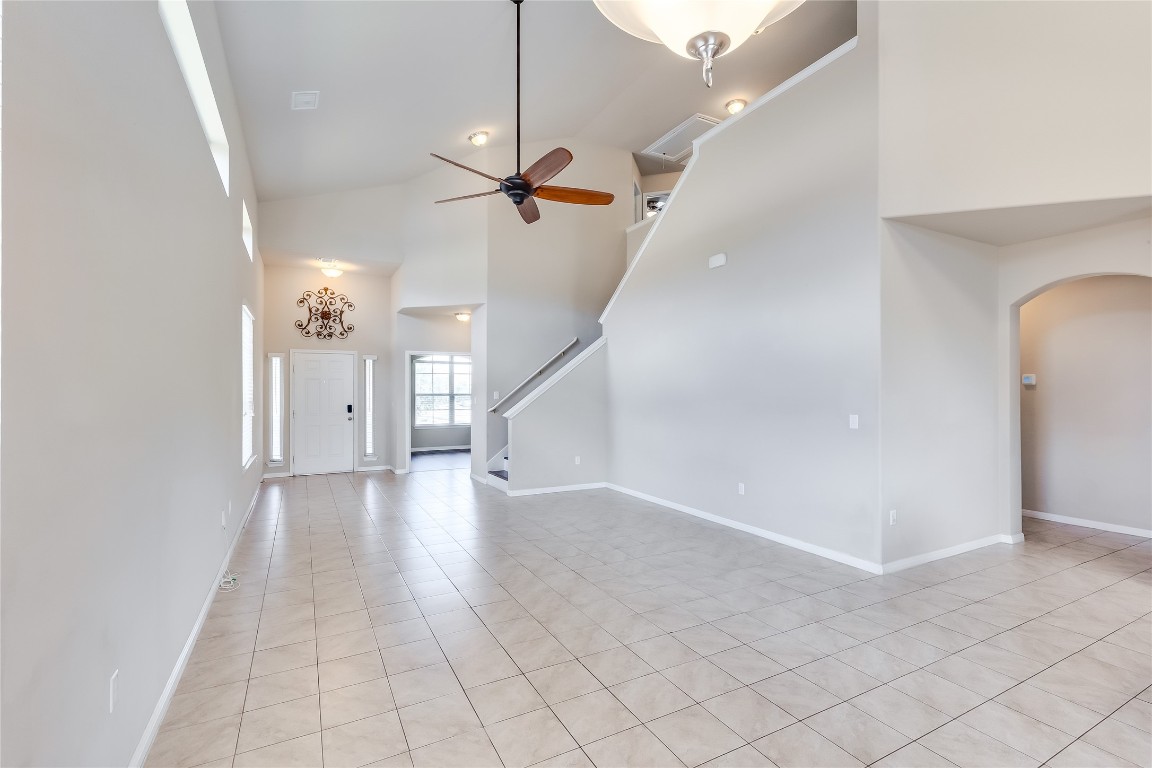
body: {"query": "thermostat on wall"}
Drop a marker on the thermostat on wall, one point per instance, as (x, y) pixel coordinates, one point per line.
(1028, 379)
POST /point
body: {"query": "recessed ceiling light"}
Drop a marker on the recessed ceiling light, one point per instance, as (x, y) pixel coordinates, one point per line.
(735, 106)
(329, 269)
(478, 139)
(305, 99)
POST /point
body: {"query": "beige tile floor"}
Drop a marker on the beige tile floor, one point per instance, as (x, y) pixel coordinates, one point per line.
(424, 620)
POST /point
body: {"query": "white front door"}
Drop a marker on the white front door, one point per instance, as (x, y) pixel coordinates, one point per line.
(323, 422)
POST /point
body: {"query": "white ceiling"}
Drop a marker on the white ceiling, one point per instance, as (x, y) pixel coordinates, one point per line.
(399, 79)
(1008, 226)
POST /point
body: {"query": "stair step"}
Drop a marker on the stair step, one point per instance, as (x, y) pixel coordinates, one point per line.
(500, 473)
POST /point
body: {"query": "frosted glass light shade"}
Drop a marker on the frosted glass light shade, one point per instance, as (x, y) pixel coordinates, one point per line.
(675, 22)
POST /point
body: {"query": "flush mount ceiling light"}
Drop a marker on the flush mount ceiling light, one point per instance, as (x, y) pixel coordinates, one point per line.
(736, 105)
(478, 139)
(463, 316)
(329, 269)
(696, 29)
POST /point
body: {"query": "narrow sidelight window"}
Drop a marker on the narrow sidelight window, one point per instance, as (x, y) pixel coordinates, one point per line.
(276, 409)
(247, 393)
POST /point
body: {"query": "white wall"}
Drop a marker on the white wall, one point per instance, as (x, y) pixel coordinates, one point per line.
(441, 437)
(362, 226)
(634, 237)
(566, 420)
(123, 277)
(939, 394)
(1086, 427)
(748, 373)
(445, 246)
(998, 104)
(659, 182)
(372, 335)
(549, 281)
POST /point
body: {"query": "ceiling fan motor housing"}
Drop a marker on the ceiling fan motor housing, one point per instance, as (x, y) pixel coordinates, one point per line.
(516, 189)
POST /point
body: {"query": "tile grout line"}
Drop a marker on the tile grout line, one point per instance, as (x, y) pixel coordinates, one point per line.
(436, 521)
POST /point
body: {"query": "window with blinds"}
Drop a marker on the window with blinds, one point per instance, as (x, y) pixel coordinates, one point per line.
(276, 409)
(369, 407)
(247, 385)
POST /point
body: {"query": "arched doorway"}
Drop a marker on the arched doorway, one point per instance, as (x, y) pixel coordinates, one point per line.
(1085, 404)
(1026, 271)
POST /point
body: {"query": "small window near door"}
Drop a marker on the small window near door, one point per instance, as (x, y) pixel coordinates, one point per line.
(442, 386)
(370, 407)
(247, 386)
(276, 409)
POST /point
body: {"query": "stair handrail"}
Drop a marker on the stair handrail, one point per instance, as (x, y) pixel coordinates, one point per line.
(535, 374)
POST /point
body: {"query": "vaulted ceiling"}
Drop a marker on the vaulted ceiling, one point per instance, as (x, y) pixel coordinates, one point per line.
(400, 79)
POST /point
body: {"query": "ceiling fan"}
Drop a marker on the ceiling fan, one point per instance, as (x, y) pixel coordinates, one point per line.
(523, 187)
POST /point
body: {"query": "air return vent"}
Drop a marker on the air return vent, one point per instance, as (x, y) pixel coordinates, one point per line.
(676, 145)
(305, 99)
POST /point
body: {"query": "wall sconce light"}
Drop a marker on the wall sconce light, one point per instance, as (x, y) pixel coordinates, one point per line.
(736, 105)
(463, 316)
(329, 269)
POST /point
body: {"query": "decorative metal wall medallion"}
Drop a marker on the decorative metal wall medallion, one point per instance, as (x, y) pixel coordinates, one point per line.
(326, 310)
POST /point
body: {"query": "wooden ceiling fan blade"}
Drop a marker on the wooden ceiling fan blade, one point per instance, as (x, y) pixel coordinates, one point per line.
(529, 211)
(574, 195)
(473, 170)
(546, 167)
(469, 197)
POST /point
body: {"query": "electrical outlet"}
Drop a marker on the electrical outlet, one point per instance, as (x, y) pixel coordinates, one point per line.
(891, 517)
(113, 690)
(740, 488)
(224, 518)
(577, 459)
(853, 421)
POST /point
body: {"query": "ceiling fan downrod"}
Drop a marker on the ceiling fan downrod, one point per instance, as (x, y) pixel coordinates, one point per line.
(518, 3)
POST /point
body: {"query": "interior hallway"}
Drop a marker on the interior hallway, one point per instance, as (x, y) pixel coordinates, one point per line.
(426, 620)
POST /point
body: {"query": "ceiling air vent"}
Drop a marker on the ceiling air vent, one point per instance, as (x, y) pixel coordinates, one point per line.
(305, 99)
(676, 145)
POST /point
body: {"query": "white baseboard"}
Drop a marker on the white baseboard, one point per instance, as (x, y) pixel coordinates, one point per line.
(481, 480)
(378, 468)
(831, 554)
(434, 448)
(958, 549)
(273, 475)
(557, 489)
(403, 471)
(498, 482)
(153, 728)
(1111, 528)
